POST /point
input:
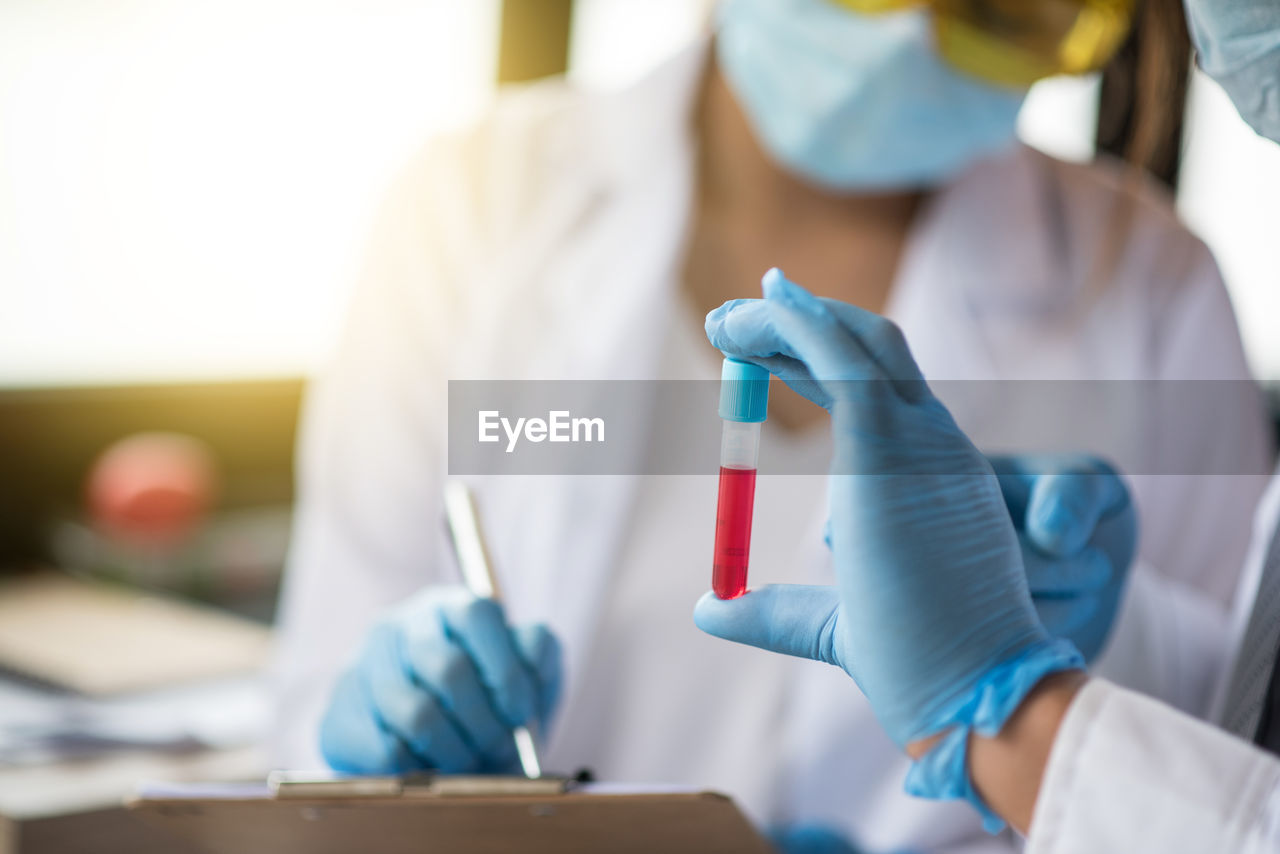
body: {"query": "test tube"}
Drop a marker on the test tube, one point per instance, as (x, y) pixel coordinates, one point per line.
(744, 401)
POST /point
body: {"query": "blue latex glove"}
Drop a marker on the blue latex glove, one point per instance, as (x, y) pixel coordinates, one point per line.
(931, 615)
(1238, 45)
(440, 684)
(813, 839)
(1078, 531)
(809, 839)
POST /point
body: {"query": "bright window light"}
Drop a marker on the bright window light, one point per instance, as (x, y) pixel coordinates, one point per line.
(615, 42)
(1229, 192)
(1230, 195)
(1060, 117)
(185, 188)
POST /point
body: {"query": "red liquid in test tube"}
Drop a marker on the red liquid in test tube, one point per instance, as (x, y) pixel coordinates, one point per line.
(744, 399)
(733, 532)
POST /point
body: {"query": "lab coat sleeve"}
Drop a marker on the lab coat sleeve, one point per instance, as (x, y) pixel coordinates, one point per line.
(367, 529)
(1129, 774)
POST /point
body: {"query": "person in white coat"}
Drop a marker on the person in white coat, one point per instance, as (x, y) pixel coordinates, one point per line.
(1083, 765)
(578, 236)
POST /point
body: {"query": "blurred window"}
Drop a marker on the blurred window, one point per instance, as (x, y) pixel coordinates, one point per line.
(1230, 196)
(1228, 193)
(616, 41)
(185, 188)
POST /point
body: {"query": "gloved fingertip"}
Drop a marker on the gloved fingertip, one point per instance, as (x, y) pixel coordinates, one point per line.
(715, 615)
(351, 741)
(772, 280)
(1055, 526)
(776, 286)
(704, 610)
(536, 640)
(782, 291)
(712, 323)
(725, 324)
(718, 314)
(541, 648)
(517, 705)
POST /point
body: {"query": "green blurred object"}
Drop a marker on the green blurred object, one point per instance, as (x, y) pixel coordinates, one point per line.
(535, 39)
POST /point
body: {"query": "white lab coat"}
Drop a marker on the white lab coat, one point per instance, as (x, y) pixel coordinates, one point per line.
(1128, 774)
(546, 244)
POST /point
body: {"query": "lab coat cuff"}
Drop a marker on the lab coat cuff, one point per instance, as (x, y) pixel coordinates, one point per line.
(943, 772)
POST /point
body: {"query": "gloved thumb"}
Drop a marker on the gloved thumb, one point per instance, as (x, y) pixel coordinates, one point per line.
(1066, 507)
(791, 619)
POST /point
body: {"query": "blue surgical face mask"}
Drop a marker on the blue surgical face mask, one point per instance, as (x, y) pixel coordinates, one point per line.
(853, 102)
(1238, 45)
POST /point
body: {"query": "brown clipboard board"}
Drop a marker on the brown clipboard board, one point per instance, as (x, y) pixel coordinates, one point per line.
(574, 822)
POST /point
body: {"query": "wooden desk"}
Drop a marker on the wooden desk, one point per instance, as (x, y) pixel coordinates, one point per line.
(71, 807)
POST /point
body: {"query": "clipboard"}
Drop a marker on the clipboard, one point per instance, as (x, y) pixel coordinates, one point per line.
(456, 815)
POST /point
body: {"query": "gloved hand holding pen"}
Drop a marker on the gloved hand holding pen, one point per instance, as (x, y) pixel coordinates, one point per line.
(931, 615)
(440, 683)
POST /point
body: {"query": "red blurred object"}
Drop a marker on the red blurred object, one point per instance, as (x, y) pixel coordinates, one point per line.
(152, 489)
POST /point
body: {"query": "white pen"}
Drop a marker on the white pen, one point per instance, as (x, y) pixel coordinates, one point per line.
(477, 574)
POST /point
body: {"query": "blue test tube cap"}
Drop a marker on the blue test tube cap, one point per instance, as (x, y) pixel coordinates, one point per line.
(744, 392)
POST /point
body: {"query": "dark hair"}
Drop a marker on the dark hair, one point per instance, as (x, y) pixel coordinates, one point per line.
(1144, 91)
